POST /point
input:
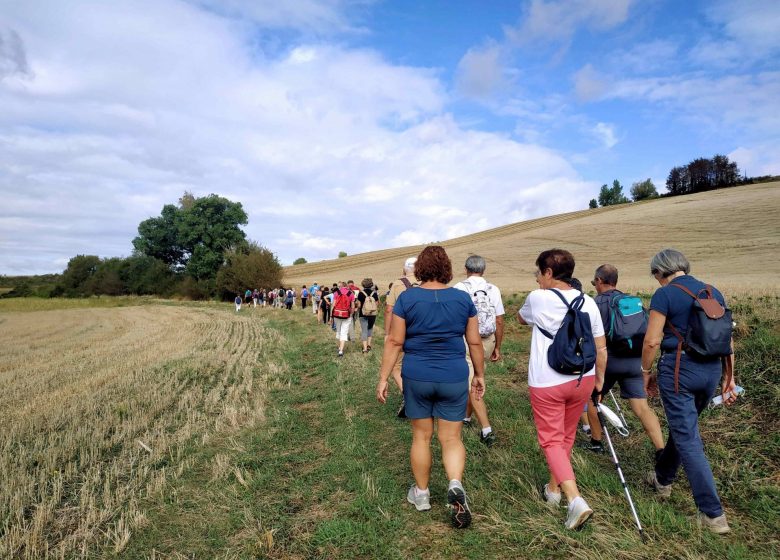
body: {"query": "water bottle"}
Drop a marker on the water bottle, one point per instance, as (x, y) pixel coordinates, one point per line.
(719, 399)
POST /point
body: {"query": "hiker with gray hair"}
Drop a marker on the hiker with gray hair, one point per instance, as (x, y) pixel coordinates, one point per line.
(689, 370)
(404, 282)
(490, 316)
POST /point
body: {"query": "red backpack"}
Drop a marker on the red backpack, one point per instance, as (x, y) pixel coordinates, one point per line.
(341, 305)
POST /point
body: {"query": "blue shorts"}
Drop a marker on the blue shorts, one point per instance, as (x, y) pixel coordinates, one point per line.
(429, 399)
(626, 372)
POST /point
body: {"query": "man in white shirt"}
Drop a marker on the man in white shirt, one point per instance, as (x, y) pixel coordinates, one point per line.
(490, 313)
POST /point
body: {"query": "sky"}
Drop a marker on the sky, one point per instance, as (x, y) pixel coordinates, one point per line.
(355, 125)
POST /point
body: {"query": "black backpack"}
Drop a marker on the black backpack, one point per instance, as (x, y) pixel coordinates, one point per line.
(709, 331)
(573, 349)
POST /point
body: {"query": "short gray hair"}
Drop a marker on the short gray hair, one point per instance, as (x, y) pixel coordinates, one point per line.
(669, 261)
(475, 264)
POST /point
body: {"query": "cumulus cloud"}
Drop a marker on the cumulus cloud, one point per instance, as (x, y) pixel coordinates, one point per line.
(480, 72)
(123, 107)
(559, 20)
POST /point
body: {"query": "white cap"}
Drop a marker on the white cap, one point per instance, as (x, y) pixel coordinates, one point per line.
(410, 262)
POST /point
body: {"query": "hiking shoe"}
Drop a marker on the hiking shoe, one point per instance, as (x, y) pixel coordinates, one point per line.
(401, 410)
(551, 498)
(460, 514)
(662, 490)
(341, 354)
(593, 445)
(579, 513)
(488, 439)
(586, 430)
(717, 525)
(420, 500)
(467, 422)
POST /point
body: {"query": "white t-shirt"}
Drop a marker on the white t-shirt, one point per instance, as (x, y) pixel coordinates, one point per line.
(475, 283)
(542, 308)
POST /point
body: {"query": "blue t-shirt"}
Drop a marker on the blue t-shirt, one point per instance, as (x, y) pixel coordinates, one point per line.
(676, 305)
(435, 325)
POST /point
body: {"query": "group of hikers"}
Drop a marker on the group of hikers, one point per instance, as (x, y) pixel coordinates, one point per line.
(273, 297)
(581, 347)
(438, 340)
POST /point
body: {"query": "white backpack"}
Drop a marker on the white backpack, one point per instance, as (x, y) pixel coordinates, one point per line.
(486, 313)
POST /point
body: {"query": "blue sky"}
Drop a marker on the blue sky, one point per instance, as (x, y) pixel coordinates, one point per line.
(357, 125)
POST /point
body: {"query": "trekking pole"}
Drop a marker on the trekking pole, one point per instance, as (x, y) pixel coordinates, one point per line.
(620, 412)
(603, 423)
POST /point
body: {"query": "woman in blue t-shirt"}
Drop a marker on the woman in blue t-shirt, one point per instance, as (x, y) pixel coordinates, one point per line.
(429, 324)
(686, 389)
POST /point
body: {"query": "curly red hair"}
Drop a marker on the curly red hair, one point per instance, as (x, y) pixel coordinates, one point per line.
(433, 264)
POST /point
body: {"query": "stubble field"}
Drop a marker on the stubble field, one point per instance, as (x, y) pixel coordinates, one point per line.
(96, 410)
(731, 236)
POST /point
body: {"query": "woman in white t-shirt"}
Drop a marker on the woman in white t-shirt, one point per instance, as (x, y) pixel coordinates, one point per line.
(557, 400)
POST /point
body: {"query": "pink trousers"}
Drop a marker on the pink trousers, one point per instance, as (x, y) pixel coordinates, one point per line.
(557, 411)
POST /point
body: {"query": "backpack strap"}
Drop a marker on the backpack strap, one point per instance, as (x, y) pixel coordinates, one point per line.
(680, 341)
(575, 305)
(711, 306)
(405, 282)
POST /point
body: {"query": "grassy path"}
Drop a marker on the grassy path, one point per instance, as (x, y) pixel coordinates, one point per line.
(325, 477)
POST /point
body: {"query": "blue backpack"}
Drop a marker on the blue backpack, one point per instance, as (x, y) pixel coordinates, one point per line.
(573, 349)
(626, 324)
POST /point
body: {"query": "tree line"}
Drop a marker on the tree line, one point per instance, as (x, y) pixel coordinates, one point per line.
(699, 175)
(194, 249)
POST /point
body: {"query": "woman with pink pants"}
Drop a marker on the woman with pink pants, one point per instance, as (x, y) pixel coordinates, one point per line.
(557, 400)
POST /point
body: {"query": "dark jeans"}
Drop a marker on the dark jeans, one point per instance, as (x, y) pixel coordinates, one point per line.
(303, 302)
(697, 385)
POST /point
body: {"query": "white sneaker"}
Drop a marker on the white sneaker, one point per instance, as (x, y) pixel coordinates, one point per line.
(579, 513)
(420, 500)
(460, 512)
(552, 498)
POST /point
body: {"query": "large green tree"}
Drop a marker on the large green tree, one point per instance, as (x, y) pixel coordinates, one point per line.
(251, 266)
(194, 235)
(642, 190)
(612, 195)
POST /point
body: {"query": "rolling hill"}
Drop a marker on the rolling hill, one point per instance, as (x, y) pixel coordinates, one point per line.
(731, 236)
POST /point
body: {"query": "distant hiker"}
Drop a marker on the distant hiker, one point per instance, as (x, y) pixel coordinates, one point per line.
(396, 289)
(304, 296)
(690, 322)
(490, 317)
(557, 399)
(248, 296)
(368, 307)
(261, 298)
(343, 307)
(429, 323)
(325, 303)
(289, 299)
(282, 293)
(255, 297)
(237, 301)
(315, 294)
(623, 363)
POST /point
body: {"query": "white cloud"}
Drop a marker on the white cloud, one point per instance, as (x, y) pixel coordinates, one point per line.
(606, 134)
(589, 84)
(745, 34)
(480, 72)
(559, 20)
(126, 106)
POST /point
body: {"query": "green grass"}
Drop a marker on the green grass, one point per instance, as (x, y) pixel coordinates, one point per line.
(326, 476)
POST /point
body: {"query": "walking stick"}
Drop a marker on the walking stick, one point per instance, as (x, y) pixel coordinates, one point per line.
(623, 433)
(603, 423)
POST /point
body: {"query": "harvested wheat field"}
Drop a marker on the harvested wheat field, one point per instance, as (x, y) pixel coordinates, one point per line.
(97, 405)
(731, 236)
